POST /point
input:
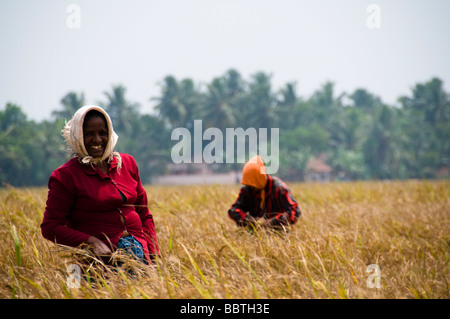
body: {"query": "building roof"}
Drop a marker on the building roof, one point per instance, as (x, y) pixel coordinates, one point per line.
(317, 165)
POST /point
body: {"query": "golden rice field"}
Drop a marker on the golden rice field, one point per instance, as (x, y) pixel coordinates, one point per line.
(402, 227)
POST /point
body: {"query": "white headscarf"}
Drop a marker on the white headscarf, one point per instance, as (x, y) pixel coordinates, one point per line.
(73, 134)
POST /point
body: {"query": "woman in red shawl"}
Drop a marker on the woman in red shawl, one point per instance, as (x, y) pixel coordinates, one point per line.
(97, 197)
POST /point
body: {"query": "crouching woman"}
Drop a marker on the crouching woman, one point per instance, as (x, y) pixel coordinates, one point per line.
(264, 200)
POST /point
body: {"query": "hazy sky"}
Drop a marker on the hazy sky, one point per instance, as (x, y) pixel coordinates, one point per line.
(138, 43)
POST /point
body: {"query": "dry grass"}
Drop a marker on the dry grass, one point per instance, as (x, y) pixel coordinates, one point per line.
(403, 227)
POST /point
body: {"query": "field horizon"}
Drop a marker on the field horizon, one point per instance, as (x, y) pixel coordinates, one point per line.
(357, 240)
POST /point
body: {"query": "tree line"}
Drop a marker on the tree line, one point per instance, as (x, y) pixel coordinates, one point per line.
(362, 137)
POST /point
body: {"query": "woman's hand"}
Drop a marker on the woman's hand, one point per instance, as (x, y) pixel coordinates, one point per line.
(98, 246)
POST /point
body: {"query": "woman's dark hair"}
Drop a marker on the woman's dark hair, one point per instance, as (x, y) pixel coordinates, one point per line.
(93, 113)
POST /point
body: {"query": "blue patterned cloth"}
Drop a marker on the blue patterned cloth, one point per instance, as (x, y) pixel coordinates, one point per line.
(131, 246)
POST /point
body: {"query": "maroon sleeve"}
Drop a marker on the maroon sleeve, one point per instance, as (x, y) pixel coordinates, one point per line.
(289, 209)
(237, 212)
(55, 225)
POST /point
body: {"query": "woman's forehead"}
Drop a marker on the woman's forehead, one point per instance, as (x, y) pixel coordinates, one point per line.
(95, 120)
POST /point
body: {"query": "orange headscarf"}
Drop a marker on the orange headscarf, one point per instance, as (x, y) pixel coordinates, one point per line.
(254, 174)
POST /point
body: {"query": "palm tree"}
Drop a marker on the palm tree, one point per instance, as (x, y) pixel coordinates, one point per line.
(431, 100)
(364, 100)
(234, 83)
(379, 147)
(180, 103)
(71, 102)
(121, 111)
(328, 112)
(217, 111)
(170, 106)
(286, 105)
(259, 112)
(191, 100)
(426, 128)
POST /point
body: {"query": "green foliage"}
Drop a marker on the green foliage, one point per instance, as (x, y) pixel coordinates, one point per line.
(361, 137)
(27, 149)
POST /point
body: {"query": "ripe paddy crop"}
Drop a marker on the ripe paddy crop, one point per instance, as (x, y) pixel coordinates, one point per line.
(402, 228)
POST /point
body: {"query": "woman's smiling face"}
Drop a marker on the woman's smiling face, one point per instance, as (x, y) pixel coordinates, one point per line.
(95, 134)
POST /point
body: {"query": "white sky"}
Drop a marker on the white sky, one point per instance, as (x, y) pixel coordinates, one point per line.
(138, 43)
